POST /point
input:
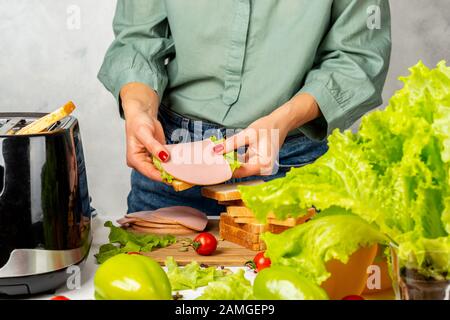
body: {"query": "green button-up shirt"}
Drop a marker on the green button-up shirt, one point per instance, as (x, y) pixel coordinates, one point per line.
(233, 61)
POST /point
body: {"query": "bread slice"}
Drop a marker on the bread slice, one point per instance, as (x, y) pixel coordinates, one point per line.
(255, 228)
(242, 241)
(179, 186)
(238, 233)
(228, 191)
(48, 120)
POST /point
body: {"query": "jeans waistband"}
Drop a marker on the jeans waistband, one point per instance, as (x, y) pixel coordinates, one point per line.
(178, 121)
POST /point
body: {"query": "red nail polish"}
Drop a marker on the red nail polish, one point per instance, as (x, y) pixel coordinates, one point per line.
(218, 148)
(163, 156)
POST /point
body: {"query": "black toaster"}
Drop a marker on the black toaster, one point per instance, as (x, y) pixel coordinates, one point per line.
(45, 213)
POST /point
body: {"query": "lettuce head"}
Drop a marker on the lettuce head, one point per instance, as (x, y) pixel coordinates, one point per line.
(393, 173)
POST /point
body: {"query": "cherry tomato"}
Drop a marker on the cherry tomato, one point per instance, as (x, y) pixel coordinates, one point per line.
(259, 262)
(59, 298)
(205, 244)
(133, 253)
(353, 297)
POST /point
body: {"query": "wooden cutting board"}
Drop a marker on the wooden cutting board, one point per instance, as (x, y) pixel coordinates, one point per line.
(227, 254)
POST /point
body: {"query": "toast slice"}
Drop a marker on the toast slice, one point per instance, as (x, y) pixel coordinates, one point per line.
(228, 230)
(255, 228)
(48, 120)
(241, 238)
(228, 191)
(239, 211)
(179, 186)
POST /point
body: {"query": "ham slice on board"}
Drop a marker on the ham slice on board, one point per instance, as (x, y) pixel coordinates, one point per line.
(146, 224)
(186, 216)
(144, 216)
(196, 163)
(174, 220)
(125, 221)
(162, 231)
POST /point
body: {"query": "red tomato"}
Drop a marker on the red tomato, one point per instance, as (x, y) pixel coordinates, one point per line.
(260, 262)
(205, 244)
(353, 297)
(59, 298)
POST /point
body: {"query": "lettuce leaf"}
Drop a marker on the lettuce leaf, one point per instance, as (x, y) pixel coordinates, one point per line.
(191, 276)
(336, 234)
(123, 241)
(231, 287)
(164, 175)
(394, 172)
(231, 157)
(233, 161)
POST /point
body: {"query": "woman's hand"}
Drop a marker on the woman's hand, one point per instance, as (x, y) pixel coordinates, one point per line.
(265, 136)
(144, 133)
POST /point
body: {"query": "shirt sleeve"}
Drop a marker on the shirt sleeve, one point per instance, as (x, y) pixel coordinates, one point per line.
(141, 46)
(352, 61)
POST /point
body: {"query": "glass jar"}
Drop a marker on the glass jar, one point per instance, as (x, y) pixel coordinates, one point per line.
(410, 284)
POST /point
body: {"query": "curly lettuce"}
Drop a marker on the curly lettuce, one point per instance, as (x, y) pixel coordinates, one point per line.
(394, 172)
(231, 287)
(231, 157)
(124, 241)
(337, 235)
(164, 175)
(191, 276)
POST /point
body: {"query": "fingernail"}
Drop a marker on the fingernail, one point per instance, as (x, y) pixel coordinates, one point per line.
(219, 148)
(163, 156)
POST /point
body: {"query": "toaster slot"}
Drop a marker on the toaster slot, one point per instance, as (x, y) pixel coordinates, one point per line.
(58, 125)
(9, 126)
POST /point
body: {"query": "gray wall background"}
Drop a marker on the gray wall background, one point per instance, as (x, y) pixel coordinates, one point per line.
(44, 63)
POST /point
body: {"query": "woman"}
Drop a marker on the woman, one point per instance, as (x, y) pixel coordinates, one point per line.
(289, 72)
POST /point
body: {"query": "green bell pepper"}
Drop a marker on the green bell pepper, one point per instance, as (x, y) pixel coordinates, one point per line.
(131, 277)
(284, 283)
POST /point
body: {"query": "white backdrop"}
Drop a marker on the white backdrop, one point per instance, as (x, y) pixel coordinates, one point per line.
(48, 56)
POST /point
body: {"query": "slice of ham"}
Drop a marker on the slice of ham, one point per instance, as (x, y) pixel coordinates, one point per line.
(196, 163)
(144, 216)
(159, 231)
(126, 221)
(146, 224)
(170, 218)
(186, 216)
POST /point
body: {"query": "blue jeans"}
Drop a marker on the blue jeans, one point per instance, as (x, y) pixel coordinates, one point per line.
(147, 194)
